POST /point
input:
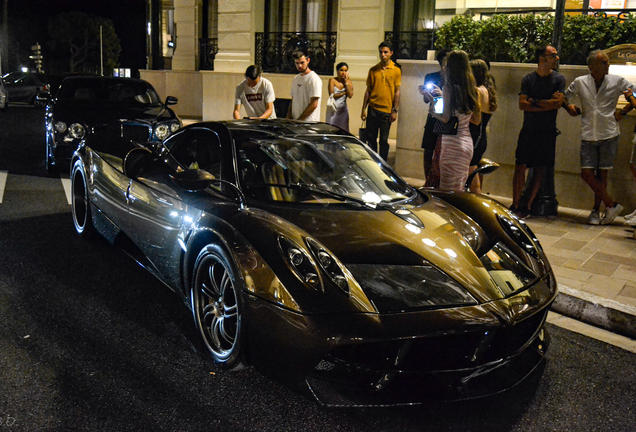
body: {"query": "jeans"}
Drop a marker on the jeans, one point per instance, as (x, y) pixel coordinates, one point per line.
(378, 120)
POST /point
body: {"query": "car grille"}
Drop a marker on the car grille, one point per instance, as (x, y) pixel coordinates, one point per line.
(136, 132)
(446, 352)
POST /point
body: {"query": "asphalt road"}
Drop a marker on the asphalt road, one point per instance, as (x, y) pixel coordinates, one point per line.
(91, 342)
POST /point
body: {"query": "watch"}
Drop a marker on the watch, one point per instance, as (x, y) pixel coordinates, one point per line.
(394, 110)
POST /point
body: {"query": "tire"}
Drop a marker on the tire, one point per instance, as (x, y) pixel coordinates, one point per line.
(80, 205)
(217, 307)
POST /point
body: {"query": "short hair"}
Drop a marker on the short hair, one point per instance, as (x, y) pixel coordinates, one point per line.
(540, 52)
(592, 56)
(386, 44)
(341, 64)
(298, 54)
(253, 72)
(441, 55)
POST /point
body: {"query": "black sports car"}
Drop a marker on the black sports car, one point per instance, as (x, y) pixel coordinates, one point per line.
(301, 252)
(86, 103)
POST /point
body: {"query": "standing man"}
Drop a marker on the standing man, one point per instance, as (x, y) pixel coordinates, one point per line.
(429, 139)
(305, 92)
(383, 99)
(598, 93)
(540, 98)
(256, 94)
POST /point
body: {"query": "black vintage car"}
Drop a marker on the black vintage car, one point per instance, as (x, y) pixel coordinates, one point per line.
(87, 103)
(301, 252)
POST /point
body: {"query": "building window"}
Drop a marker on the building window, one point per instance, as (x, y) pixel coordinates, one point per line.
(413, 29)
(290, 25)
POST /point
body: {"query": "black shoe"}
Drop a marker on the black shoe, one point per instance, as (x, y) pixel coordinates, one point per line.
(522, 213)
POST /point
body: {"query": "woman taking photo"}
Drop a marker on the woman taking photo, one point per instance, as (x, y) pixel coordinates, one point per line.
(488, 103)
(341, 89)
(461, 100)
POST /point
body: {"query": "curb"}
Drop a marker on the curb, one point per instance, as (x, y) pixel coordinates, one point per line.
(598, 311)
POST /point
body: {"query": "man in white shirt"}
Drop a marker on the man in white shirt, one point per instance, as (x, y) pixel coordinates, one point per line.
(305, 92)
(598, 93)
(256, 94)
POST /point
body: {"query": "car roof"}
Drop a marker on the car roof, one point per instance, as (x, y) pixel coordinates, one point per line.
(87, 78)
(277, 127)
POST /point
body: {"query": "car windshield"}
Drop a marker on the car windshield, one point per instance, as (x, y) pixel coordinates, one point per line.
(120, 91)
(317, 169)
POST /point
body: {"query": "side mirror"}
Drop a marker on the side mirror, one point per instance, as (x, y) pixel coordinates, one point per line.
(171, 100)
(485, 166)
(198, 180)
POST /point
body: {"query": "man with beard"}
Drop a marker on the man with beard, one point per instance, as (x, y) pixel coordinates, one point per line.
(306, 91)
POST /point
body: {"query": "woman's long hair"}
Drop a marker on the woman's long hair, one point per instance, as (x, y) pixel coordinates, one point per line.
(458, 77)
(483, 77)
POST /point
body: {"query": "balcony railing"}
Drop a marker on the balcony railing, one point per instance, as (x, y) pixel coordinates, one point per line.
(411, 45)
(208, 47)
(274, 51)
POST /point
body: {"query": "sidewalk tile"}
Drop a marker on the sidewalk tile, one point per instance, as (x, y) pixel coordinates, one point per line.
(572, 245)
(572, 264)
(572, 274)
(602, 256)
(603, 286)
(598, 267)
(625, 272)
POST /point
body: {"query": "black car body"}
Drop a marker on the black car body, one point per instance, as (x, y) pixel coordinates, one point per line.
(86, 103)
(301, 252)
(25, 87)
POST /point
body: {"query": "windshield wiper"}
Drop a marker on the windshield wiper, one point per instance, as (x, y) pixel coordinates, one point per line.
(335, 195)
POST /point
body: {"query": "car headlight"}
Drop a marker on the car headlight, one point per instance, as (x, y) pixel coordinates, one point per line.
(77, 131)
(329, 264)
(521, 234)
(162, 131)
(174, 127)
(60, 127)
(303, 266)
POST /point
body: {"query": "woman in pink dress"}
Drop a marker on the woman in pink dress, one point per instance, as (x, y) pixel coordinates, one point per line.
(461, 100)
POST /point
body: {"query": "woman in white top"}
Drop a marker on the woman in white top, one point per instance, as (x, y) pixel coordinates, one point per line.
(341, 88)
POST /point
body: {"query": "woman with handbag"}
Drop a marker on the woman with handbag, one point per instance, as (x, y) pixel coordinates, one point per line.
(340, 88)
(488, 103)
(460, 107)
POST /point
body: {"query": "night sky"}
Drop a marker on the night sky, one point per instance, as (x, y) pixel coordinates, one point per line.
(128, 16)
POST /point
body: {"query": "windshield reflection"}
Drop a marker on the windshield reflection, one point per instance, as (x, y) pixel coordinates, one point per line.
(317, 169)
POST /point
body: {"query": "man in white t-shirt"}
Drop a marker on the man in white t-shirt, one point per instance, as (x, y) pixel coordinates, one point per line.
(306, 91)
(256, 94)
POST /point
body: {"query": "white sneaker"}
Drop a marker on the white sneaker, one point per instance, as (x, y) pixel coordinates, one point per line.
(631, 222)
(594, 218)
(611, 213)
(632, 215)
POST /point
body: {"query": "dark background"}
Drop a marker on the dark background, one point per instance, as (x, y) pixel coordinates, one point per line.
(28, 24)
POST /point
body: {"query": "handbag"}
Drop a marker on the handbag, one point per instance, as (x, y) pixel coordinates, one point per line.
(448, 128)
(331, 103)
(362, 134)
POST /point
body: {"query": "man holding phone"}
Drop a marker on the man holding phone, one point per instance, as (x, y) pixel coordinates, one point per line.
(432, 81)
(598, 93)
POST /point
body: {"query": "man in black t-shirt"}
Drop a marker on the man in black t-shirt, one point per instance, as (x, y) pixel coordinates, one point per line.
(540, 98)
(429, 140)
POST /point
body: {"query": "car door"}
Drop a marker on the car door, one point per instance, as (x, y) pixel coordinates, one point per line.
(161, 214)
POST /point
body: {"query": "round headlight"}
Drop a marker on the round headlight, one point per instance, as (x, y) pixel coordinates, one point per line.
(174, 127)
(77, 131)
(162, 132)
(60, 127)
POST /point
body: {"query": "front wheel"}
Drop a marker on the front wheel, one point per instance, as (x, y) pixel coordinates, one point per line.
(80, 206)
(217, 307)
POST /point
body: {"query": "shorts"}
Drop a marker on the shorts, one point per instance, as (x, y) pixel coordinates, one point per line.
(598, 154)
(633, 159)
(536, 147)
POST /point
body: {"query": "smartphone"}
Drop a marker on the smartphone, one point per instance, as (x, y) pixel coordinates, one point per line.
(428, 86)
(438, 107)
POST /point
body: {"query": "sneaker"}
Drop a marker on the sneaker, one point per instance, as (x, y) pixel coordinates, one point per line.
(611, 213)
(631, 222)
(594, 218)
(632, 215)
(522, 213)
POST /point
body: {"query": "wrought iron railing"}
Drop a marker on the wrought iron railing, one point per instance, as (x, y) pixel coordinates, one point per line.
(274, 51)
(208, 47)
(411, 45)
